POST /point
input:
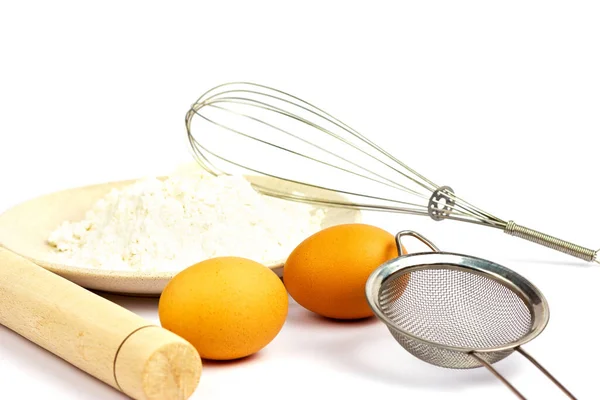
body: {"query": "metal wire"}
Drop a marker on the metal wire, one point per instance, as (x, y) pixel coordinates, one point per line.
(220, 99)
(454, 308)
(238, 123)
(457, 311)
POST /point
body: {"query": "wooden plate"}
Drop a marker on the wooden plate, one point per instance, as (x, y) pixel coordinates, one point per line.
(25, 228)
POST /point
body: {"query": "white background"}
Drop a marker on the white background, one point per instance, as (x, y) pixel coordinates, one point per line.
(499, 100)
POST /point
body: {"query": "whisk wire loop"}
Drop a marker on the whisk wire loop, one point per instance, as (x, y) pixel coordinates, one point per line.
(265, 106)
(322, 152)
(219, 98)
(388, 182)
(318, 111)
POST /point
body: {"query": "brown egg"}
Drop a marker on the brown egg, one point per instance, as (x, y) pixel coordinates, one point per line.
(227, 307)
(327, 272)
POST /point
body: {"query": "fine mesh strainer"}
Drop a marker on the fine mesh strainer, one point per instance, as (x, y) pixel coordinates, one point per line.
(457, 311)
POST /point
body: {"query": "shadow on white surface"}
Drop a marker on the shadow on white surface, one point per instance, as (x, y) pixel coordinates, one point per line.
(382, 358)
(41, 364)
(366, 349)
(237, 363)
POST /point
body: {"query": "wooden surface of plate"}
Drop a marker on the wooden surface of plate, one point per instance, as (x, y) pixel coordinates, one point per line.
(25, 228)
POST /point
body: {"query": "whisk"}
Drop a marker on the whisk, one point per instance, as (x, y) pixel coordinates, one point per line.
(310, 156)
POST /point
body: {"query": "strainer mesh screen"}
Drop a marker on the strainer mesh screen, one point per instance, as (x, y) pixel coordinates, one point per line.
(453, 308)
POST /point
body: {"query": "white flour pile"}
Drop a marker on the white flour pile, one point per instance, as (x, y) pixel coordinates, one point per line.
(155, 225)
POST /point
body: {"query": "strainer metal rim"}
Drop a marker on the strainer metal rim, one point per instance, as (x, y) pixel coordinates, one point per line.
(531, 295)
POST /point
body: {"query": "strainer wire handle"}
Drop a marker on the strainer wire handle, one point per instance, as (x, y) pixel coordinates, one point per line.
(534, 362)
(416, 235)
(498, 375)
(483, 362)
(545, 371)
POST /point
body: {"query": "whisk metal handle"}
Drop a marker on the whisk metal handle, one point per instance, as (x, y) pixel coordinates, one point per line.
(543, 239)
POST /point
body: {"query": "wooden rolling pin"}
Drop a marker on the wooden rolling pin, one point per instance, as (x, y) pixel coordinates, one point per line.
(109, 342)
